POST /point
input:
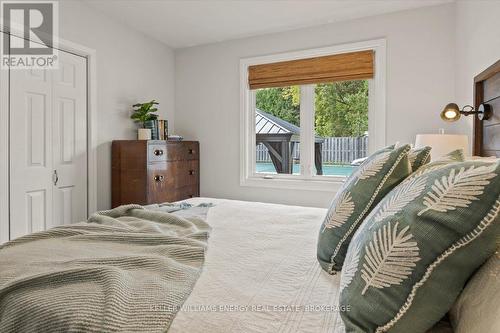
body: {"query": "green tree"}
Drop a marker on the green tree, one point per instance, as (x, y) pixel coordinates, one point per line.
(283, 103)
(341, 107)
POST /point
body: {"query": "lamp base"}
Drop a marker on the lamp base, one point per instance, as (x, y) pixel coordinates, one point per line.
(484, 112)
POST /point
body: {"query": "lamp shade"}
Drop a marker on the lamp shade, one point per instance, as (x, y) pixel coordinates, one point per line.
(451, 112)
(442, 144)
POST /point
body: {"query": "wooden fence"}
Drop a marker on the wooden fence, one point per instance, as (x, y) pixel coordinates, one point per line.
(337, 150)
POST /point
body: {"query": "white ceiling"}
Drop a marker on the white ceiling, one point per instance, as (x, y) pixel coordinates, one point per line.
(184, 23)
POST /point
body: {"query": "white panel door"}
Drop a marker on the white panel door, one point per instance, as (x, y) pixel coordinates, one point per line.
(30, 151)
(70, 139)
(48, 146)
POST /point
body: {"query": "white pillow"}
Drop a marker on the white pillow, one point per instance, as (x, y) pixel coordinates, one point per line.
(477, 309)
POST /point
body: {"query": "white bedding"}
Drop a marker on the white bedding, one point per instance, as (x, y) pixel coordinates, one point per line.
(261, 268)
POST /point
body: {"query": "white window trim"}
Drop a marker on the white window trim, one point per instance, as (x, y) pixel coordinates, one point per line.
(307, 181)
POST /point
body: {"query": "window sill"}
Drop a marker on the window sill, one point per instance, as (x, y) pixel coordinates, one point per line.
(318, 183)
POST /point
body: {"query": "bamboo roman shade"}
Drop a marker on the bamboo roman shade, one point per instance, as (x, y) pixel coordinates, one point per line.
(338, 67)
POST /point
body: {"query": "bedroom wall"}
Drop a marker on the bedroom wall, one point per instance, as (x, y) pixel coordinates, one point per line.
(420, 74)
(131, 68)
(477, 47)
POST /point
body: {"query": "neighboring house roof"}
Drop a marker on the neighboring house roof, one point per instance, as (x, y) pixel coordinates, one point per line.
(267, 125)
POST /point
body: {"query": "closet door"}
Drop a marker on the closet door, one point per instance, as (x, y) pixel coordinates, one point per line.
(69, 133)
(30, 151)
(48, 146)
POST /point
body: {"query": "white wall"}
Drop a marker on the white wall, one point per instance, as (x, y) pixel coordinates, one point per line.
(420, 76)
(477, 46)
(131, 68)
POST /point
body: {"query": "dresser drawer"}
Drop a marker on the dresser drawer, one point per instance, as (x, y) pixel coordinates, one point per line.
(188, 150)
(186, 172)
(157, 152)
(160, 183)
(175, 174)
(187, 192)
(160, 192)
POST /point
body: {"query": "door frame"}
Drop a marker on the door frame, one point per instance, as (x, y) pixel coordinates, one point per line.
(90, 55)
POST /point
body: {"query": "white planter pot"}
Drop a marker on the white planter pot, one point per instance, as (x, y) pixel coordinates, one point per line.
(144, 134)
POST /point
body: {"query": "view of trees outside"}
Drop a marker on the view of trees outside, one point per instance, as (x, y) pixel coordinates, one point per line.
(341, 107)
(341, 119)
(283, 103)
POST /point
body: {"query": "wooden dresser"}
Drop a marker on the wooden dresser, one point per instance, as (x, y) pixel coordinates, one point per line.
(147, 172)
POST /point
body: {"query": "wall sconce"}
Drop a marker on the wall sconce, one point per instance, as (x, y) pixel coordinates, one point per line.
(452, 112)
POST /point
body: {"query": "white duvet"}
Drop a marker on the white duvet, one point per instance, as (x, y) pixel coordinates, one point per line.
(261, 273)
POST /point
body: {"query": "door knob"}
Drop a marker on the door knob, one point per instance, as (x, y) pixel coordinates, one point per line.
(55, 178)
(158, 152)
(159, 178)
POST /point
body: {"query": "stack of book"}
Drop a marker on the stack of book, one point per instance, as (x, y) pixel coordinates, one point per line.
(159, 129)
(162, 129)
(153, 126)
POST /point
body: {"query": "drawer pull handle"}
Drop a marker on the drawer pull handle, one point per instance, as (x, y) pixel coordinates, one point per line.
(158, 152)
(191, 152)
(191, 172)
(159, 178)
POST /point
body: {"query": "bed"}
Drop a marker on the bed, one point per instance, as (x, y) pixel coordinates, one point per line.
(261, 273)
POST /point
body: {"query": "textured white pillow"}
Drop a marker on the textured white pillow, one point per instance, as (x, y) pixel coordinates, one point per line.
(478, 307)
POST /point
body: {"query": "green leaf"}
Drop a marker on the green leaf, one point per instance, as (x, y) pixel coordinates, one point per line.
(145, 111)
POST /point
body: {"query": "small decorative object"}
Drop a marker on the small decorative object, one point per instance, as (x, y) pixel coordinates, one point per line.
(175, 138)
(144, 113)
(442, 144)
(452, 112)
(144, 134)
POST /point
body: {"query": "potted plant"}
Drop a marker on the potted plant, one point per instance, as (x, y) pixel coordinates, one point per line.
(144, 113)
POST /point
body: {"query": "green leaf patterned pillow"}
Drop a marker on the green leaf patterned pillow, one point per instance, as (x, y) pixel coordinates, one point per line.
(371, 181)
(419, 157)
(413, 254)
(455, 156)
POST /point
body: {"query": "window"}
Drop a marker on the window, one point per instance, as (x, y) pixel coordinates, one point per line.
(340, 126)
(309, 117)
(277, 130)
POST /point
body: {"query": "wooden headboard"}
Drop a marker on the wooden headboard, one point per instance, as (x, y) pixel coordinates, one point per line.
(487, 132)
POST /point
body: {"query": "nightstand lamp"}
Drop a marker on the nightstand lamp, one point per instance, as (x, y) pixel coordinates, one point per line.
(442, 144)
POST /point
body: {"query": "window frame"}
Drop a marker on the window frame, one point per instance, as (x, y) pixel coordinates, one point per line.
(307, 180)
